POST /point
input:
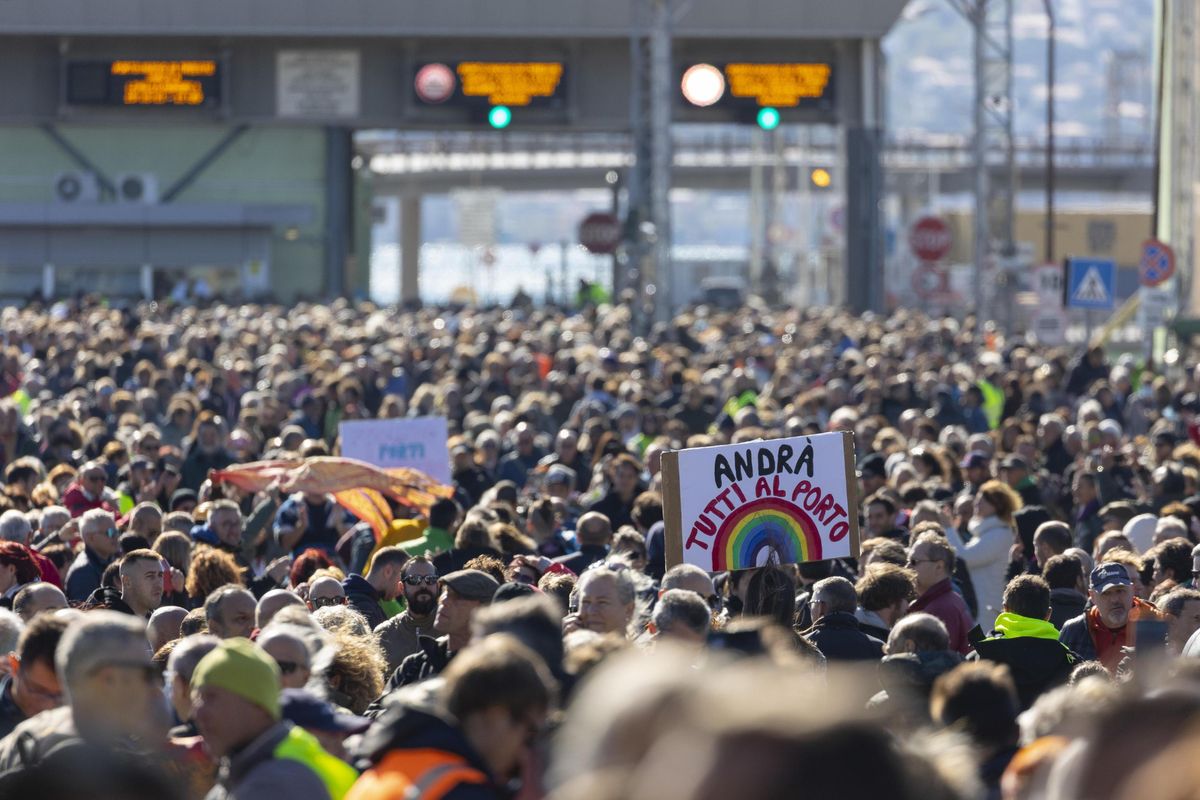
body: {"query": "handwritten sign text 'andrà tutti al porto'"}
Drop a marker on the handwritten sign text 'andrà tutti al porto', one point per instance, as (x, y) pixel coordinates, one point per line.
(750, 504)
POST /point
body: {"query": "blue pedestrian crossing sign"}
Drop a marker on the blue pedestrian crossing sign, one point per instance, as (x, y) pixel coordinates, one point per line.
(1091, 284)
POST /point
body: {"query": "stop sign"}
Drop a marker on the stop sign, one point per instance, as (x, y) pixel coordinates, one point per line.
(600, 233)
(930, 239)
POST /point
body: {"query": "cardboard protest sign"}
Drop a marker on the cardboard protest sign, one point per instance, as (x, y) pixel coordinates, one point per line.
(747, 505)
(417, 442)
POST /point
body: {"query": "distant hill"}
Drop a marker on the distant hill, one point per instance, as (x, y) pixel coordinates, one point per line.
(930, 74)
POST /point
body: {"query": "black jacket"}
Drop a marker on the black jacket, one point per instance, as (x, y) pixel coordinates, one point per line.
(874, 631)
(907, 680)
(839, 638)
(110, 598)
(410, 727)
(1037, 665)
(11, 714)
(618, 511)
(84, 576)
(1065, 604)
(362, 597)
(1057, 458)
(916, 671)
(430, 660)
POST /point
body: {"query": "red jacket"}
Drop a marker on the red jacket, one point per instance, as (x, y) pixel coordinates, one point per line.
(944, 603)
(46, 567)
(75, 501)
(1109, 644)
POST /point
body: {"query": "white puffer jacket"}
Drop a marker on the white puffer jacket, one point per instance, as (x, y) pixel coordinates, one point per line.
(986, 555)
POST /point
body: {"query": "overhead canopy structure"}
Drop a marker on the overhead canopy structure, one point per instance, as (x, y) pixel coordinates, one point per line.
(375, 19)
(180, 65)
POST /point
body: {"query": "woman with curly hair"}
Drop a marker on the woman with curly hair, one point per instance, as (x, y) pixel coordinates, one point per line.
(342, 619)
(355, 677)
(210, 570)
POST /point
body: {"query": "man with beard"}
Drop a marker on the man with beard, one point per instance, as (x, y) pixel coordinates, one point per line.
(463, 593)
(1102, 632)
(399, 636)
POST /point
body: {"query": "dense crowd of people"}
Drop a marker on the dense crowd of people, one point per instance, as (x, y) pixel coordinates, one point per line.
(1021, 620)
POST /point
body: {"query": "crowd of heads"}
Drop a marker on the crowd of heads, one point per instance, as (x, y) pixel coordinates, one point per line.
(1025, 581)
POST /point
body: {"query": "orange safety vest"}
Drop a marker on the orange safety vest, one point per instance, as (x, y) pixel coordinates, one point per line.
(425, 774)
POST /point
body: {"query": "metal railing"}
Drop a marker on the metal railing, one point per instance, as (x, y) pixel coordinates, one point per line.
(724, 147)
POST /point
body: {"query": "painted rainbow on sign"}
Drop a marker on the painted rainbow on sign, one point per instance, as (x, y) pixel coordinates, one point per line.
(762, 526)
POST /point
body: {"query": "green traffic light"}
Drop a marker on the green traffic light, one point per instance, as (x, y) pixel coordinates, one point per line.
(499, 117)
(768, 118)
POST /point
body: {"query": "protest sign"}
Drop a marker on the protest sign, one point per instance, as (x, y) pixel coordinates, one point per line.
(419, 443)
(746, 505)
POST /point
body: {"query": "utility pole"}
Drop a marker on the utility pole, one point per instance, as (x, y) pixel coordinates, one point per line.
(769, 288)
(979, 149)
(991, 24)
(1179, 118)
(758, 212)
(1050, 78)
(656, 297)
(648, 228)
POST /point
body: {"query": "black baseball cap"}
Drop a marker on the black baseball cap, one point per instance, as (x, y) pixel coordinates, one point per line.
(1106, 576)
(305, 709)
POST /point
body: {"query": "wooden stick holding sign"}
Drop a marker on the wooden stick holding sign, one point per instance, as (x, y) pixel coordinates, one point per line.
(783, 501)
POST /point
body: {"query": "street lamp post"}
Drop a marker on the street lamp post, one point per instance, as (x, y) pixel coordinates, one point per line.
(1050, 57)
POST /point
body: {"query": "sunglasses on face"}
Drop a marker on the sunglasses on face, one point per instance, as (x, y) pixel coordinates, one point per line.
(113, 533)
(417, 580)
(288, 667)
(322, 602)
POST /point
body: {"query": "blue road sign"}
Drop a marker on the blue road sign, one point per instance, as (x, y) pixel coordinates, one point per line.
(1091, 283)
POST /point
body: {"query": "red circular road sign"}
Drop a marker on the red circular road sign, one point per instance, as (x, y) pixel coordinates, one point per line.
(600, 233)
(930, 238)
(1157, 264)
(435, 83)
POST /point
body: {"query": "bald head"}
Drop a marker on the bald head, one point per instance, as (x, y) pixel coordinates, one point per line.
(594, 528)
(272, 602)
(36, 598)
(325, 591)
(164, 626)
(291, 654)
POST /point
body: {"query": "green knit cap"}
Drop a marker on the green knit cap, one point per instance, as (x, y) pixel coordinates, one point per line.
(238, 666)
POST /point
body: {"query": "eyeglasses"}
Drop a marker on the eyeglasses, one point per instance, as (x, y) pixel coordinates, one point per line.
(322, 602)
(288, 667)
(417, 580)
